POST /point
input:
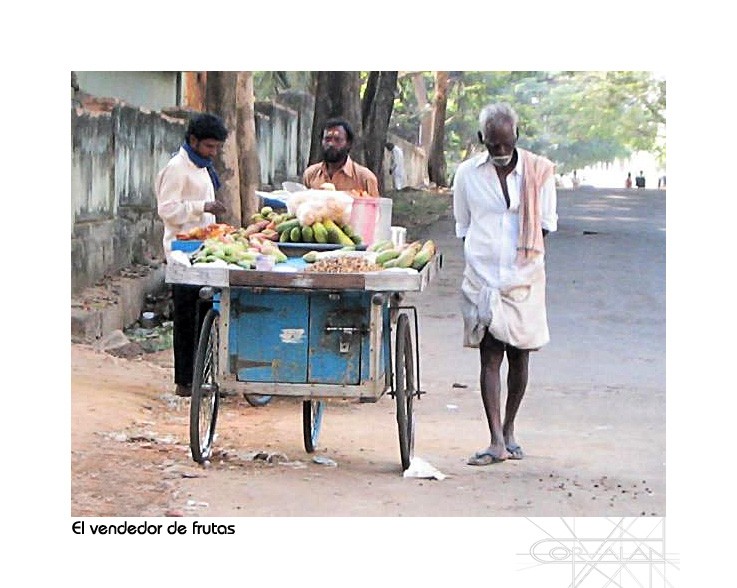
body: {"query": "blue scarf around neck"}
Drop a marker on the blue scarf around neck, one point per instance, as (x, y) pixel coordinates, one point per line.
(200, 161)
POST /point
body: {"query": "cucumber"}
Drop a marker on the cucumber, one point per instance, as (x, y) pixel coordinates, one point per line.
(320, 233)
(381, 245)
(287, 225)
(407, 256)
(385, 256)
(335, 234)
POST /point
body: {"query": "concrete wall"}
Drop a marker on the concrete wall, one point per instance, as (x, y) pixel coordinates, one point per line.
(278, 125)
(154, 90)
(283, 132)
(415, 164)
(303, 105)
(117, 151)
(116, 155)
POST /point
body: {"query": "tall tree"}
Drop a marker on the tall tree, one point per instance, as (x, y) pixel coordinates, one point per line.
(337, 94)
(220, 99)
(249, 165)
(574, 118)
(424, 110)
(377, 104)
(436, 158)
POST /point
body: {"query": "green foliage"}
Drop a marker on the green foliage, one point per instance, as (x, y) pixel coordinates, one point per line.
(574, 118)
(267, 84)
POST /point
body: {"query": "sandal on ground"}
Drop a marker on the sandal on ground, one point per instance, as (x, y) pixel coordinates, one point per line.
(515, 452)
(482, 458)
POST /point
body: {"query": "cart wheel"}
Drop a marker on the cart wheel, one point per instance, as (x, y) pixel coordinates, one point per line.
(311, 421)
(404, 389)
(257, 399)
(203, 409)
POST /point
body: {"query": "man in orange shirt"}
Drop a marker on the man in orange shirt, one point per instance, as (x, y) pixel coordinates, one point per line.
(336, 167)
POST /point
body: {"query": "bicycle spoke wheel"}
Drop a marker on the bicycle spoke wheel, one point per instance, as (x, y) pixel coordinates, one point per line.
(203, 410)
(311, 422)
(404, 389)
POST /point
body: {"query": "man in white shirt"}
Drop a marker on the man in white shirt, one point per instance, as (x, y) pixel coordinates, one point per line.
(185, 193)
(396, 169)
(504, 203)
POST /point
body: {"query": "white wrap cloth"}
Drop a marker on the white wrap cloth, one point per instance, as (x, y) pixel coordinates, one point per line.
(515, 315)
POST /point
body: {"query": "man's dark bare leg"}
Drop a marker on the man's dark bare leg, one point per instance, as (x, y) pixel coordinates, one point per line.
(517, 377)
(492, 355)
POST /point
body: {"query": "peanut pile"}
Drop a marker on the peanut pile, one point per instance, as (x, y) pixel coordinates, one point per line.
(343, 265)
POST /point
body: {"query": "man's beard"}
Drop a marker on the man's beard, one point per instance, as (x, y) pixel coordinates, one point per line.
(332, 155)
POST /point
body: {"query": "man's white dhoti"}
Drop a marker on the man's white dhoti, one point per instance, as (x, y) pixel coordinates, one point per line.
(515, 315)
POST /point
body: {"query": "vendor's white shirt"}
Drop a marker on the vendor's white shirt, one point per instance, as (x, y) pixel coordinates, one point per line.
(490, 228)
(182, 189)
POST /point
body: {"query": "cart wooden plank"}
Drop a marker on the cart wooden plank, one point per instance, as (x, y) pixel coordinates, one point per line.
(177, 273)
(384, 281)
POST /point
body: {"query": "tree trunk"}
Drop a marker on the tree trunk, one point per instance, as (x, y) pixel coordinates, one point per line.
(194, 85)
(424, 139)
(337, 94)
(220, 98)
(378, 102)
(436, 157)
(249, 165)
(368, 95)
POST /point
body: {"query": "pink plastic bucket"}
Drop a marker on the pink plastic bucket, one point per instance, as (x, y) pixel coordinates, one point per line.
(372, 218)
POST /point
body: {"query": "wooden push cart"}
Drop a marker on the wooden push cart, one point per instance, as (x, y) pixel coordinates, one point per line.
(308, 335)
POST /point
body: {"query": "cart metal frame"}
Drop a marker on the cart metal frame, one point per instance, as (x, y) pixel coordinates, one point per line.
(397, 373)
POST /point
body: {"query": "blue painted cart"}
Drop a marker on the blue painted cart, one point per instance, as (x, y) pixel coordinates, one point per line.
(308, 335)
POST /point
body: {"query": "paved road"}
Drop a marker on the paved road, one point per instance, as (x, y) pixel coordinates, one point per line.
(596, 399)
(592, 424)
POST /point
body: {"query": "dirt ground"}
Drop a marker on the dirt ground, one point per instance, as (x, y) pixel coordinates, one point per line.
(592, 424)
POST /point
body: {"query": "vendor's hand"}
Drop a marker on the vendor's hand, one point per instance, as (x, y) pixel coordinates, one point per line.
(215, 207)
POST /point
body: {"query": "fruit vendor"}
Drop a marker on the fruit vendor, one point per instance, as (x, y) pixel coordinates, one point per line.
(504, 203)
(336, 167)
(185, 192)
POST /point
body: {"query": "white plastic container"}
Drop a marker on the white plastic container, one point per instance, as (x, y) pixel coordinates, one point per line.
(264, 263)
(398, 236)
(384, 228)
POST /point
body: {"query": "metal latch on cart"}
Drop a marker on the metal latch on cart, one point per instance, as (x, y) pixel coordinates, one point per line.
(346, 335)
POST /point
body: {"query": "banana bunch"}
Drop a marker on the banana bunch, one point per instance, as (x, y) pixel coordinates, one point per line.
(414, 255)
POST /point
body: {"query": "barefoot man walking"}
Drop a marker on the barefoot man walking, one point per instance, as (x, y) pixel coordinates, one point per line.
(504, 203)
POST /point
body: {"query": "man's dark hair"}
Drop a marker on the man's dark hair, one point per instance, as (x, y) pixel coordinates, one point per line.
(206, 126)
(339, 122)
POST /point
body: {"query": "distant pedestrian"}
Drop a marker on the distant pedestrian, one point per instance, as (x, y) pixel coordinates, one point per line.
(640, 180)
(661, 182)
(396, 169)
(575, 182)
(628, 181)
